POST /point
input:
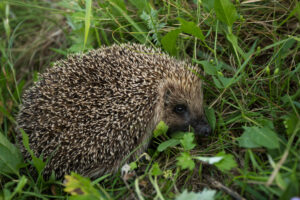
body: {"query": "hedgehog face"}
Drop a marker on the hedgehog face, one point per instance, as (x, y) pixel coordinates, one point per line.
(183, 108)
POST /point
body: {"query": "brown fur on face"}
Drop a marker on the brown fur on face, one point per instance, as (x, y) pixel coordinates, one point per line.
(186, 93)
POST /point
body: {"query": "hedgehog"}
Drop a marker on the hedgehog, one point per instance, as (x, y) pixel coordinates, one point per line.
(91, 112)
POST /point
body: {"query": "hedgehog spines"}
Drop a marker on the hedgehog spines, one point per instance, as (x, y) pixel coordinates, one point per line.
(92, 110)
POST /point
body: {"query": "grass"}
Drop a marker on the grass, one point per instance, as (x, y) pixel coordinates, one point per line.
(249, 53)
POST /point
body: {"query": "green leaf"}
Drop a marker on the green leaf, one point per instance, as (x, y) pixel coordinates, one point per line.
(155, 170)
(211, 117)
(266, 123)
(188, 141)
(169, 143)
(208, 67)
(77, 185)
(177, 135)
(10, 157)
(169, 41)
(208, 5)
(284, 49)
(85, 197)
(226, 82)
(191, 28)
(223, 82)
(263, 137)
(161, 129)
(217, 82)
(21, 183)
(246, 141)
(87, 20)
(154, 25)
(227, 163)
(234, 42)
(133, 165)
(225, 11)
(205, 195)
(185, 161)
(290, 123)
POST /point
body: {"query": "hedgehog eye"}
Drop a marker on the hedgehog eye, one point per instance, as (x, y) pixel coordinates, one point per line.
(179, 109)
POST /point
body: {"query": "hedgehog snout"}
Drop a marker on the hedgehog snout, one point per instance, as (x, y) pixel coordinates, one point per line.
(201, 128)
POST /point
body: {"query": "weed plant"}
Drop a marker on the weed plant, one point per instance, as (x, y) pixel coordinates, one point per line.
(249, 54)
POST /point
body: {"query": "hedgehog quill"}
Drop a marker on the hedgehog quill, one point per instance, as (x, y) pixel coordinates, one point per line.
(89, 112)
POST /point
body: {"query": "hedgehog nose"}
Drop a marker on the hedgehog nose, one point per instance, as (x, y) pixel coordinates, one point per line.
(202, 129)
(205, 130)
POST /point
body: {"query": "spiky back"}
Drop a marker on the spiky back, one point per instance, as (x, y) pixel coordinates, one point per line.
(90, 111)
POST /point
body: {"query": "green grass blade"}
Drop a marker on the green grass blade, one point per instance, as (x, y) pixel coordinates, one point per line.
(87, 20)
(129, 19)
